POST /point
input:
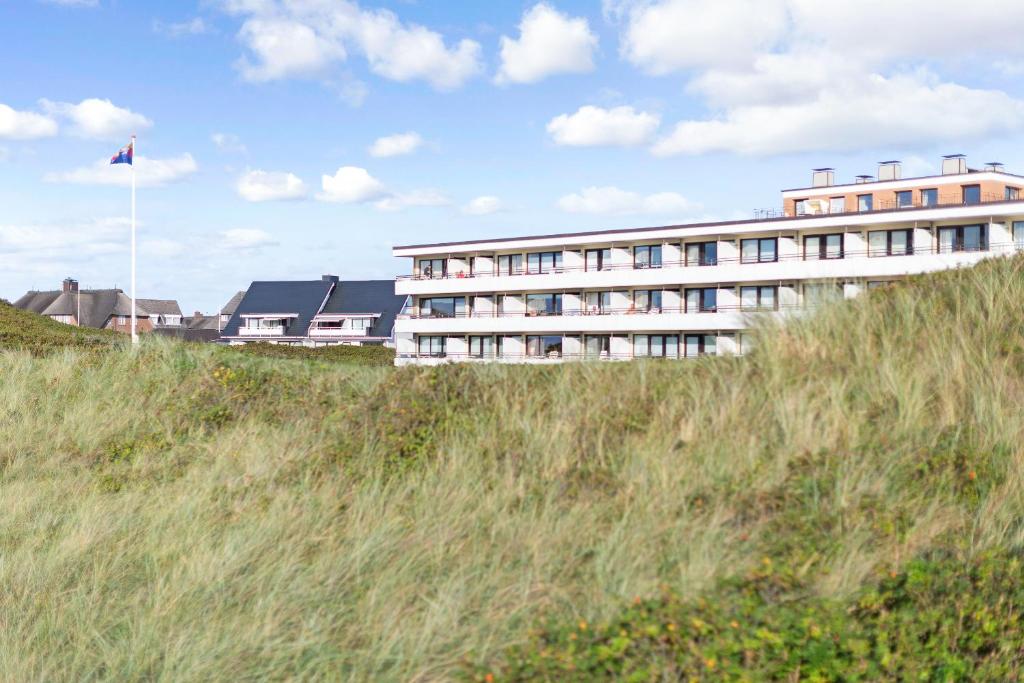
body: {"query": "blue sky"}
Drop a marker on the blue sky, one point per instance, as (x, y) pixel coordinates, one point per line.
(439, 121)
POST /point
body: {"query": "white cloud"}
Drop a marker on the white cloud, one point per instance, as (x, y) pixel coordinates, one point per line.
(245, 239)
(25, 125)
(64, 239)
(902, 110)
(591, 126)
(483, 205)
(302, 38)
(396, 145)
(265, 186)
(149, 172)
(549, 43)
(191, 27)
(98, 119)
(226, 142)
(161, 247)
(612, 200)
(351, 185)
(399, 201)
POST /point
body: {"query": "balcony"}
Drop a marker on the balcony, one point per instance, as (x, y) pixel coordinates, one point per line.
(277, 331)
(942, 201)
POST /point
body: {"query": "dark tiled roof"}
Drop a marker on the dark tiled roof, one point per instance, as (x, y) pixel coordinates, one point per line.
(368, 296)
(203, 322)
(303, 297)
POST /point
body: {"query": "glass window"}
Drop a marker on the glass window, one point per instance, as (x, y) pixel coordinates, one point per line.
(597, 345)
(823, 247)
(598, 302)
(801, 207)
(432, 268)
(647, 256)
(837, 205)
(700, 345)
(599, 259)
(647, 300)
(904, 198)
(543, 262)
(899, 242)
(543, 304)
(1018, 234)
(929, 197)
(758, 298)
(481, 347)
(964, 238)
(544, 346)
(443, 307)
(972, 194)
(1012, 194)
(432, 346)
(510, 264)
(702, 254)
(890, 243)
(703, 300)
(759, 250)
(865, 202)
(656, 346)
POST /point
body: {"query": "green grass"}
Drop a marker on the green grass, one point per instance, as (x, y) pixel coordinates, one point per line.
(849, 495)
(40, 335)
(363, 355)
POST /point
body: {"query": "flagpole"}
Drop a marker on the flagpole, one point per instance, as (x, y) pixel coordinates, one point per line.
(135, 336)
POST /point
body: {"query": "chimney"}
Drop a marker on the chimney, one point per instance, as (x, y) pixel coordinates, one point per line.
(952, 164)
(996, 166)
(864, 179)
(823, 177)
(330, 278)
(197, 314)
(70, 285)
(890, 170)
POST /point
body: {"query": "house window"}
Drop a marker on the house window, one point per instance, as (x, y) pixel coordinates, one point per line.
(963, 238)
(823, 247)
(510, 264)
(1012, 194)
(865, 202)
(598, 303)
(647, 256)
(760, 250)
(759, 298)
(1018, 234)
(481, 347)
(702, 254)
(647, 301)
(543, 262)
(890, 242)
(443, 307)
(543, 304)
(837, 205)
(432, 346)
(433, 268)
(800, 205)
(597, 345)
(542, 346)
(904, 199)
(929, 197)
(971, 194)
(700, 345)
(599, 259)
(655, 346)
(702, 300)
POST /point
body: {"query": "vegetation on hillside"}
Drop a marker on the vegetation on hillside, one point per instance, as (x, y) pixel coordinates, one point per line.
(844, 503)
(38, 334)
(363, 355)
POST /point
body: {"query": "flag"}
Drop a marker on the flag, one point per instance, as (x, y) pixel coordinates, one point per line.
(124, 155)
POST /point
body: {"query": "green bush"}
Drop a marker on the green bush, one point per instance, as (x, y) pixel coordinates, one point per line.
(361, 355)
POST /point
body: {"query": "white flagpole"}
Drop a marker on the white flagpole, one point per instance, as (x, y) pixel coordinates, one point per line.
(135, 336)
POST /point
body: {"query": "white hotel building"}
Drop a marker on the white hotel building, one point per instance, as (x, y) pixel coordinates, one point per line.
(680, 291)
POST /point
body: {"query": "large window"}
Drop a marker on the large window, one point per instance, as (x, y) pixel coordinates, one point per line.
(647, 301)
(543, 262)
(700, 345)
(929, 197)
(890, 242)
(543, 346)
(760, 250)
(1011, 194)
(432, 346)
(800, 206)
(963, 238)
(837, 205)
(865, 202)
(823, 247)
(510, 264)
(597, 345)
(703, 300)
(971, 194)
(904, 199)
(433, 267)
(443, 307)
(647, 256)
(656, 345)
(597, 303)
(1018, 234)
(543, 304)
(702, 254)
(599, 259)
(481, 347)
(759, 298)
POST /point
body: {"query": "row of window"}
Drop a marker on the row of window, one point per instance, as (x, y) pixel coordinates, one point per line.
(969, 194)
(593, 346)
(752, 250)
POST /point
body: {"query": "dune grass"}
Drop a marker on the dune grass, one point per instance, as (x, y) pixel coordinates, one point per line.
(190, 513)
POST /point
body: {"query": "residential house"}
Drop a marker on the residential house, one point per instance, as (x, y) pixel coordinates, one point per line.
(107, 309)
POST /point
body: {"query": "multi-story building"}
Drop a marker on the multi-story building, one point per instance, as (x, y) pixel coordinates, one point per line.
(680, 291)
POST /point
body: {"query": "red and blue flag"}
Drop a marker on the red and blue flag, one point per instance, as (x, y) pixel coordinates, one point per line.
(124, 155)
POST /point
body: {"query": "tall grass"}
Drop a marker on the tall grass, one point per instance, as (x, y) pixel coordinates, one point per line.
(189, 513)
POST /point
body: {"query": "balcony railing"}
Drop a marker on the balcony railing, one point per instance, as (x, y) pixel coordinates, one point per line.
(582, 312)
(260, 331)
(519, 357)
(943, 201)
(995, 247)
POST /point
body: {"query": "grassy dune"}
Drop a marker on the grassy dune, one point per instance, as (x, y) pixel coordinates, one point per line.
(844, 503)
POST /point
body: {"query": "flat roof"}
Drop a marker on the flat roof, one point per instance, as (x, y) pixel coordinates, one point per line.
(901, 180)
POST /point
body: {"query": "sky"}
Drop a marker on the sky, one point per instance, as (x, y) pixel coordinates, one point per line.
(285, 139)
